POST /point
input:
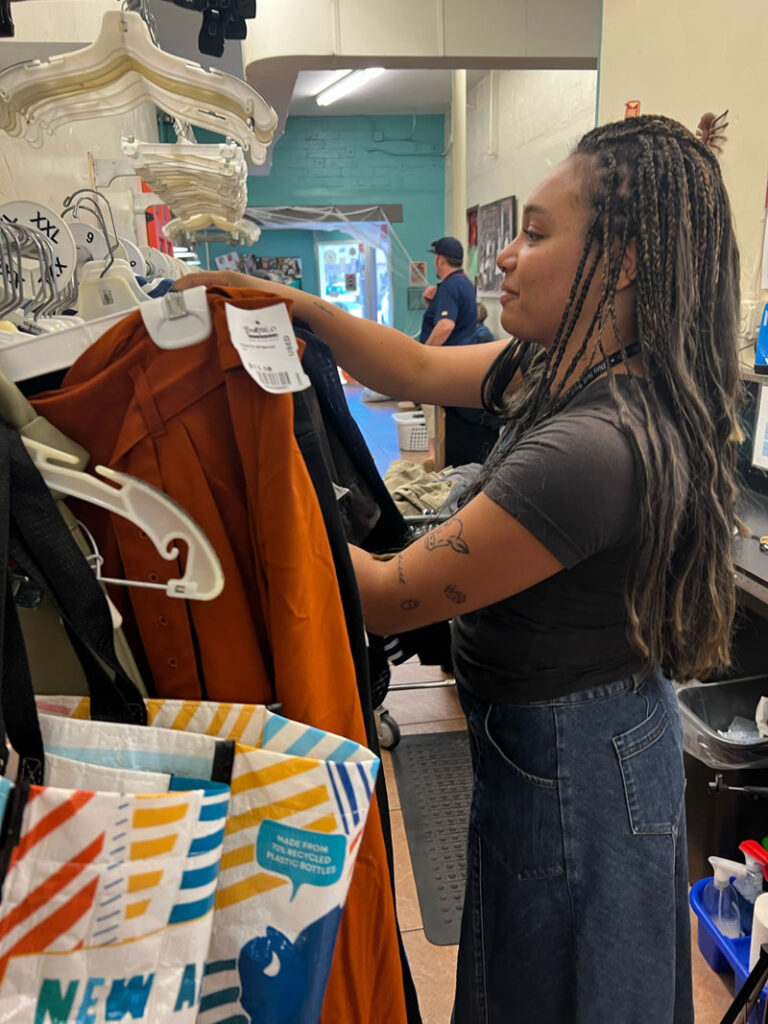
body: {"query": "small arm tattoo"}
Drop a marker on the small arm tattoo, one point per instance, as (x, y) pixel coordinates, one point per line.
(454, 595)
(323, 308)
(400, 573)
(447, 536)
(411, 604)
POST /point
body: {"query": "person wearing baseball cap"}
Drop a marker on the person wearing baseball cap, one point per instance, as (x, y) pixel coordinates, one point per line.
(451, 315)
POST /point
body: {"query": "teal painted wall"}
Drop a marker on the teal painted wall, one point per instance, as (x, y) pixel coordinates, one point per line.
(323, 161)
(275, 243)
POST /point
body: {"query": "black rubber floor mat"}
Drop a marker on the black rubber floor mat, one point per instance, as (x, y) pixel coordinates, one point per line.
(434, 780)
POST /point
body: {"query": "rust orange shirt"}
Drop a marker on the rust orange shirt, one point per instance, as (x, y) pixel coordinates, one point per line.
(192, 422)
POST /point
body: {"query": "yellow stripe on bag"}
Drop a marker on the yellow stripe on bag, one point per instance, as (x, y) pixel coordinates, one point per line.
(234, 858)
(218, 720)
(185, 715)
(146, 880)
(136, 909)
(152, 847)
(154, 708)
(152, 817)
(83, 709)
(243, 719)
(275, 773)
(249, 887)
(326, 824)
(283, 809)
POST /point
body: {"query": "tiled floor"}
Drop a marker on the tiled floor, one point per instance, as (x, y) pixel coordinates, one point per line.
(433, 967)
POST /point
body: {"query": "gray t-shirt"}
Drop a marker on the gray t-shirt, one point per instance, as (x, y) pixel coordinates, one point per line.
(573, 484)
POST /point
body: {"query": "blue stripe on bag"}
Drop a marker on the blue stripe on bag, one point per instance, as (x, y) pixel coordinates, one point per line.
(137, 760)
(364, 777)
(337, 795)
(214, 810)
(309, 739)
(206, 843)
(214, 999)
(184, 912)
(343, 751)
(220, 965)
(272, 728)
(348, 789)
(200, 876)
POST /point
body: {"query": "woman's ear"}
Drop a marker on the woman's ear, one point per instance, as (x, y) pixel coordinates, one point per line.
(628, 273)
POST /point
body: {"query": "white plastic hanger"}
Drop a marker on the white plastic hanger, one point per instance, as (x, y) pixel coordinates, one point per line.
(108, 287)
(23, 356)
(121, 70)
(178, 319)
(150, 509)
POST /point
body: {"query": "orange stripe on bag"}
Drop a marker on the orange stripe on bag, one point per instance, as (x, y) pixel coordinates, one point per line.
(46, 933)
(275, 773)
(53, 884)
(146, 880)
(152, 817)
(136, 909)
(249, 887)
(241, 855)
(50, 823)
(283, 809)
(185, 715)
(217, 722)
(152, 847)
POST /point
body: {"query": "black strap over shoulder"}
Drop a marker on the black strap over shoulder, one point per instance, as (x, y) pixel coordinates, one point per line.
(34, 535)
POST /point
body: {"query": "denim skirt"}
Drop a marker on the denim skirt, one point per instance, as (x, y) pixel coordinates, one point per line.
(576, 907)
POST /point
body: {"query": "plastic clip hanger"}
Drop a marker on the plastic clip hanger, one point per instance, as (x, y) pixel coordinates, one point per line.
(152, 511)
(178, 319)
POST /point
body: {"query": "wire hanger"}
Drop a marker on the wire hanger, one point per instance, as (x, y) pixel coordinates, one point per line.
(150, 509)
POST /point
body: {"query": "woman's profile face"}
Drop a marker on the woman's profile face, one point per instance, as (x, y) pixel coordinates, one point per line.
(540, 264)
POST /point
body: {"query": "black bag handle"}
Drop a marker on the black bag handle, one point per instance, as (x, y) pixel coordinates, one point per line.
(34, 534)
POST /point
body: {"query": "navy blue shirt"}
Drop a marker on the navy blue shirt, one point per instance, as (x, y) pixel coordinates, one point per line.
(455, 300)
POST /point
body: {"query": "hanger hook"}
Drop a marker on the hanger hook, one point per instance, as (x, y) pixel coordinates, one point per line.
(89, 197)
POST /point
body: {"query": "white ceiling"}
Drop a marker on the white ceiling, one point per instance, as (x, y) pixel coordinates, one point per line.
(395, 92)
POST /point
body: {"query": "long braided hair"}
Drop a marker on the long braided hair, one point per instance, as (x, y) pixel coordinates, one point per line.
(649, 179)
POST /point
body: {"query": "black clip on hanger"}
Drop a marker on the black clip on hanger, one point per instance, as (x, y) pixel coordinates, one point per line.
(222, 19)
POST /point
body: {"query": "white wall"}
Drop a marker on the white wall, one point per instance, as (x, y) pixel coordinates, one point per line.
(62, 164)
(683, 59)
(519, 125)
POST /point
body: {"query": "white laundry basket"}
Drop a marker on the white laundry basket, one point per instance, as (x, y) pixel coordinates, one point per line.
(412, 433)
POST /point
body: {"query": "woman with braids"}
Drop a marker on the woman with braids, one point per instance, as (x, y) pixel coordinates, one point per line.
(591, 565)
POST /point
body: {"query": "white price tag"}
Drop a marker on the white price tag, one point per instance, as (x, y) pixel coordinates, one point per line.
(266, 344)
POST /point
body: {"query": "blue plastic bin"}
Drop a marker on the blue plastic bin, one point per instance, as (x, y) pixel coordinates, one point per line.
(724, 954)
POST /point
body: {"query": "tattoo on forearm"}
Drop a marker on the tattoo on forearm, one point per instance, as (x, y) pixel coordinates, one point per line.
(454, 595)
(323, 308)
(411, 604)
(400, 573)
(447, 536)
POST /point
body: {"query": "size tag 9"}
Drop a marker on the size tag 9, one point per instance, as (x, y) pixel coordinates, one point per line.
(267, 346)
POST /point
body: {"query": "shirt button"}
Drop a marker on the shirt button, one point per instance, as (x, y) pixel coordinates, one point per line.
(162, 621)
(143, 535)
(172, 662)
(153, 577)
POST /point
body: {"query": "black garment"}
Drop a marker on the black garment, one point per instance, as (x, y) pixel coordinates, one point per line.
(310, 435)
(469, 435)
(574, 483)
(355, 469)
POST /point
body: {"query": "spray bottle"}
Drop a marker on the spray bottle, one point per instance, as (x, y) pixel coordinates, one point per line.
(719, 897)
(750, 886)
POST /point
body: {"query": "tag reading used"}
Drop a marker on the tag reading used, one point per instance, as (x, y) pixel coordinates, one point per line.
(266, 344)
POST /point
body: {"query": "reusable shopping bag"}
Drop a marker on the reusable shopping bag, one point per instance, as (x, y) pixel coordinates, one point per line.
(108, 883)
(300, 799)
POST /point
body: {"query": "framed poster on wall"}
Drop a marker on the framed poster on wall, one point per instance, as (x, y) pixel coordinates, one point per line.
(471, 264)
(496, 227)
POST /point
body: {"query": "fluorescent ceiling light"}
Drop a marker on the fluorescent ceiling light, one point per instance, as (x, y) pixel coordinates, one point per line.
(345, 86)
